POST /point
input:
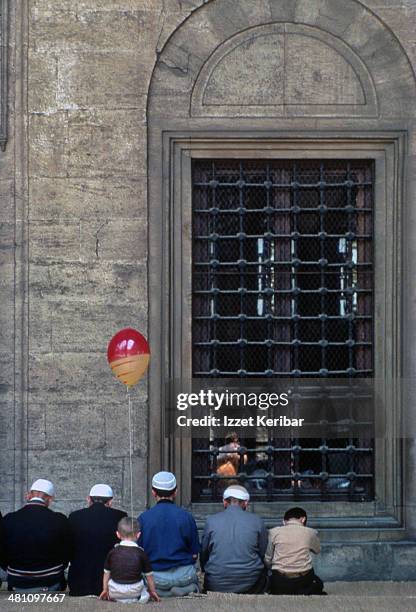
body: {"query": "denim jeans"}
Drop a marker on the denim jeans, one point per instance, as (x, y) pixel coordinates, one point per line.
(182, 580)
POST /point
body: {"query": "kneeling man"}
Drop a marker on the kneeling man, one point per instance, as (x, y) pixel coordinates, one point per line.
(289, 555)
(169, 537)
(93, 534)
(35, 543)
(233, 547)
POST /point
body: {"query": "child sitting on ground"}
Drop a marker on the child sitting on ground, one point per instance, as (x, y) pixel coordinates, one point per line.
(289, 555)
(125, 566)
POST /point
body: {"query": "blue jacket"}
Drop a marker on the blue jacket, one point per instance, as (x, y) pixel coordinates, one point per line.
(168, 536)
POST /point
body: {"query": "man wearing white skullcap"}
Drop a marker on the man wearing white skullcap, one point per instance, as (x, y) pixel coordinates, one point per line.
(35, 543)
(169, 537)
(233, 547)
(93, 531)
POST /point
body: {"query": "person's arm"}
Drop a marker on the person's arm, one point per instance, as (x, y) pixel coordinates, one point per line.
(263, 540)
(151, 587)
(268, 557)
(106, 578)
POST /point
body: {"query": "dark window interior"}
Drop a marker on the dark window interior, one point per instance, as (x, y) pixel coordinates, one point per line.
(283, 287)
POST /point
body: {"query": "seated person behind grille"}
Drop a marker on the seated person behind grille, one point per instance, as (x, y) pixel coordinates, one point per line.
(289, 556)
(228, 461)
(233, 547)
(125, 566)
(169, 537)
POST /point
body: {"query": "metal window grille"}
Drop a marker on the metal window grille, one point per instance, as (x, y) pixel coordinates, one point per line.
(283, 287)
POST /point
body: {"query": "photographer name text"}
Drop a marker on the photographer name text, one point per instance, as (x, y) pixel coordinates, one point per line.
(226, 421)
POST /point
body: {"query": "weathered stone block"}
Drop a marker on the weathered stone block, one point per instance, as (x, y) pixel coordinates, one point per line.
(7, 299)
(367, 561)
(102, 143)
(378, 4)
(40, 324)
(6, 157)
(45, 6)
(282, 10)
(54, 241)
(112, 283)
(74, 426)
(236, 15)
(237, 80)
(337, 16)
(7, 441)
(162, 105)
(90, 30)
(36, 426)
(116, 240)
(7, 200)
(43, 81)
(6, 243)
(75, 376)
(59, 28)
(333, 560)
(102, 79)
(156, 36)
(87, 144)
(317, 74)
(401, 19)
(6, 374)
(117, 426)
(140, 493)
(7, 480)
(86, 325)
(177, 71)
(87, 198)
(74, 472)
(39, 283)
(48, 154)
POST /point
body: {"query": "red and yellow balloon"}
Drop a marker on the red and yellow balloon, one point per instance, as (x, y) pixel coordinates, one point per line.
(128, 354)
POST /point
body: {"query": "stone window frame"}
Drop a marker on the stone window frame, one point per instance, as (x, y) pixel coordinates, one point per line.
(170, 294)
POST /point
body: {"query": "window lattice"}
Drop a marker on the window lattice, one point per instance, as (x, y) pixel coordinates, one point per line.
(283, 287)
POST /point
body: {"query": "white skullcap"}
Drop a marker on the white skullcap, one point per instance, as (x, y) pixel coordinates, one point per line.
(238, 492)
(101, 490)
(45, 486)
(164, 481)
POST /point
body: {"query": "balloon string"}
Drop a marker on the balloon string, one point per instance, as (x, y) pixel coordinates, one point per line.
(130, 453)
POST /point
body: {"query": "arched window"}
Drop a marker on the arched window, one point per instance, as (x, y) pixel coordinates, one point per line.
(321, 104)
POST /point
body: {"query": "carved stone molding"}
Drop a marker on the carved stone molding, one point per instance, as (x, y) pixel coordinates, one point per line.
(3, 72)
(285, 60)
(284, 69)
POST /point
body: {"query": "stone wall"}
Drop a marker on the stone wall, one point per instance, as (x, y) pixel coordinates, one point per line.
(8, 393)
(73, 257)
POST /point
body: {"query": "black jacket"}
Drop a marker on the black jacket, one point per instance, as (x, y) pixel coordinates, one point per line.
(93, 533)
(34, 546)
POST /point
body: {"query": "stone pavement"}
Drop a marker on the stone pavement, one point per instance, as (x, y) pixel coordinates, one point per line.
(342, 597)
